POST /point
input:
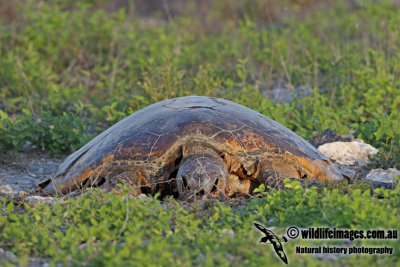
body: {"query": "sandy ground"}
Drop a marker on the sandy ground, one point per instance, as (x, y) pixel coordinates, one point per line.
(23, 171)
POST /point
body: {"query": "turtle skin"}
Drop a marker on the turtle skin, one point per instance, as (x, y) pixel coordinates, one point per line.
(146, 149)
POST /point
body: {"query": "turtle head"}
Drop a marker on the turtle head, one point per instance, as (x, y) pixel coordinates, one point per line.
(202, 175)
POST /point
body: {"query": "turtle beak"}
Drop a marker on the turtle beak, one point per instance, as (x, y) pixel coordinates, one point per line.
(199, 187)
(201, 176)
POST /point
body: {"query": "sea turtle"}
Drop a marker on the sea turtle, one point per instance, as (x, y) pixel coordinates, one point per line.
(192, 147)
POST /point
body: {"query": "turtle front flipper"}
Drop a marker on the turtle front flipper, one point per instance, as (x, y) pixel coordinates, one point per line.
(201, 174)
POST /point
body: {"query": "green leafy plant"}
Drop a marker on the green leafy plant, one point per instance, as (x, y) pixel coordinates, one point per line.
(69, 70)
(99, 228)
(56, 133)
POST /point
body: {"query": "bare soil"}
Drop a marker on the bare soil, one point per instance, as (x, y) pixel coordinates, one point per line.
(23, 171)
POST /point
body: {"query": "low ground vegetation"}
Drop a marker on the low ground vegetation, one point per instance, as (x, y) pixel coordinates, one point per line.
(68, 71)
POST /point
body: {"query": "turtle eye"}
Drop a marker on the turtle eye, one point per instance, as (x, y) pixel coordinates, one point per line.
(184, 183)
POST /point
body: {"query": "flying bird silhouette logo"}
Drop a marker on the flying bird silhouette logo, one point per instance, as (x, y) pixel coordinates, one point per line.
(274, 240)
